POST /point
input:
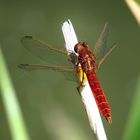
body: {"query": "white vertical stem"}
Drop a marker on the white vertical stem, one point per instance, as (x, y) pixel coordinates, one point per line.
(87, 96)
(135, 9)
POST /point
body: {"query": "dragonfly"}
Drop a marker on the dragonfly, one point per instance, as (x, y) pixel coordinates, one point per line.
(84, 63)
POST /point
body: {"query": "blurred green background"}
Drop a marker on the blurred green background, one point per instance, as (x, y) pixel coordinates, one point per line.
(51, 105)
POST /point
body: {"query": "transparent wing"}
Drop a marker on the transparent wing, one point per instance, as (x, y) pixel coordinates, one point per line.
(44, 51)
(106, 53)
(67, 71)
(100, 50)
(101, 42)
(30, 67)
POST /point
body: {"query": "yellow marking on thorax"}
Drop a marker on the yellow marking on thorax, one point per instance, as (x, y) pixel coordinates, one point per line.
(81, 75)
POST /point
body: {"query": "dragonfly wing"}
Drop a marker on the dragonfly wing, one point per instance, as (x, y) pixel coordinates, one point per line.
(67, 71)
(100, 50)
(45, 51)
(30, 67)
(101, 42)
(107, 52)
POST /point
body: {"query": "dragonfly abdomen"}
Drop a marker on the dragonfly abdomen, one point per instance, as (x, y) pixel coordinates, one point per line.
(99, 95)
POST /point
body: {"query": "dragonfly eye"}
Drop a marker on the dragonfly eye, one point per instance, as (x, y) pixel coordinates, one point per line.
(76, 47)
(85, 44)
(80, 46)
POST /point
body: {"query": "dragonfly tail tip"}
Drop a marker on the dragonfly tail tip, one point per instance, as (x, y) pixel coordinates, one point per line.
(109, 119)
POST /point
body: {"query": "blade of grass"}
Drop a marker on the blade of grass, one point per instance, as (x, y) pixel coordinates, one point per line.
(132, 131)
(11, 105)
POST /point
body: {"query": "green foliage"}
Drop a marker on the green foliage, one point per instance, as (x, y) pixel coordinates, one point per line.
(11, 105)
(133, 123)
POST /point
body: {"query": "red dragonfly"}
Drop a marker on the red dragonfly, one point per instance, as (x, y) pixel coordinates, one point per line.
(86, 63)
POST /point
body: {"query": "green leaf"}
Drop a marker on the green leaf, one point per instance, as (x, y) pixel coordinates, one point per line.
(11, 105)
(132, 131)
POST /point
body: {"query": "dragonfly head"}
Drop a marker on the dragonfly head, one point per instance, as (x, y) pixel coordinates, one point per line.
(80, 46)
